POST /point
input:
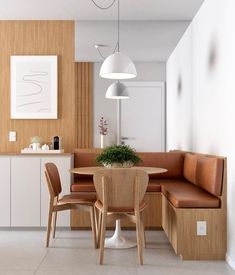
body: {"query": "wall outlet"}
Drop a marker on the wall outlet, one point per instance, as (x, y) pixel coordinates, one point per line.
(201, 228)
(12, 136)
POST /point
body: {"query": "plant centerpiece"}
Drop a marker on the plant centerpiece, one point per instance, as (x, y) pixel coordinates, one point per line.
(118, 156)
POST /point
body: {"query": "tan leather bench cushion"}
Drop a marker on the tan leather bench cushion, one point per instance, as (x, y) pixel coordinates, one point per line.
(210, 174)
(173, 162)
(190, 167)
(187, 195)
(83, 185)
(153, 186)
(86, 185)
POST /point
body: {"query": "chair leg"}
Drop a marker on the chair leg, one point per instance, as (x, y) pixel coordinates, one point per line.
(99, 229)
(54, 224)
(93, 226)
(102, 237)
(142, 230)
(139, 239)
(96, 221)
(49, 223)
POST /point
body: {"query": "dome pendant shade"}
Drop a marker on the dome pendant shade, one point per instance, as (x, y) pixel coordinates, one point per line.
(118, 66)
(117, 90)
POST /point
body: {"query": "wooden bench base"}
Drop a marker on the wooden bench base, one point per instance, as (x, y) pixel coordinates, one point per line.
(180, 226)
(152, 215)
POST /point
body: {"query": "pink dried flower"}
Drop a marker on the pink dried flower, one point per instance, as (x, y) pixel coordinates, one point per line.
(103, 126)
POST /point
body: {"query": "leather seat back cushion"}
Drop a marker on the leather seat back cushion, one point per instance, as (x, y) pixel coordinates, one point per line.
(172, 161)
(187, 195)
(209, 174)
(84, 158)
(190, 167)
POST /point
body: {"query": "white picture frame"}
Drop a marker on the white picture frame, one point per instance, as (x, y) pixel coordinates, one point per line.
(34, 85)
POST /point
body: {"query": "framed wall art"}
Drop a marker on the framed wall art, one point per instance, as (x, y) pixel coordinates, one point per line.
(34, 87)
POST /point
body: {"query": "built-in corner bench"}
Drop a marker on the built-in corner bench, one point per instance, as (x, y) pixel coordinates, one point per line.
(190, 195)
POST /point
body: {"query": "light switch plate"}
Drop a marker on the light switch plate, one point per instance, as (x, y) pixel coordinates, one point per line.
(201, 228)
(12, 136)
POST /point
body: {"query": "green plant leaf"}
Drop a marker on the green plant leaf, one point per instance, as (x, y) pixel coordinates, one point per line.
(119, 154)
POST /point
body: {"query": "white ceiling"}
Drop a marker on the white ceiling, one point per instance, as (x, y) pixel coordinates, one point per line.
(85, 9)
(143, 41)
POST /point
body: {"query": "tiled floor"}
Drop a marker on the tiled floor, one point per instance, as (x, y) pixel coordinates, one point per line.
(23, 253)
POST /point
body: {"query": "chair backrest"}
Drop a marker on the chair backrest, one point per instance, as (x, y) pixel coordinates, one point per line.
(53, 179)
(123, 187)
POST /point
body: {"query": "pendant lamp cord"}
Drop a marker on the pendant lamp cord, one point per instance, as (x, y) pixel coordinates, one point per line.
(118, 26)
(118, 38)
(103, 8)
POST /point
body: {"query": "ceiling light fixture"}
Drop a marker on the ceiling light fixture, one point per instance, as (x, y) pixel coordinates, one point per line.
(118, 65)
(117, 90)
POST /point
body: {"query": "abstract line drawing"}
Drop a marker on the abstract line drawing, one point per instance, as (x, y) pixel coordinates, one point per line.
(33, 87)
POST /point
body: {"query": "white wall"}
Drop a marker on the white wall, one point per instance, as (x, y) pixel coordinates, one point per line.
(204, 109)
(179, 96)
(148, 71)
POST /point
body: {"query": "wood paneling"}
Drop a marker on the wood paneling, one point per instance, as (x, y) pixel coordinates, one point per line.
(84, 100)
(38, 38)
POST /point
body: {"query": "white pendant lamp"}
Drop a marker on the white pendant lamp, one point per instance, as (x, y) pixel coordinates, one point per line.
(118, 65)
(117, 90)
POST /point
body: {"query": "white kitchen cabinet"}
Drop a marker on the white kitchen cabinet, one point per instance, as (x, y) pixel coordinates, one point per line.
(5, 187)
(25, 191)
(64, 165)
(25, 197)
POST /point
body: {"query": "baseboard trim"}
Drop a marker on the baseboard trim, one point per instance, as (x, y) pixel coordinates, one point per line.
(230, 261)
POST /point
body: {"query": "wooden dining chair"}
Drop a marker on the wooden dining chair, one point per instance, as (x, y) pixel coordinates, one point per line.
(66, 202)
(120, 194)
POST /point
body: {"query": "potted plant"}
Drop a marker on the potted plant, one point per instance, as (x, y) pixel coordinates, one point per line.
(118, 156)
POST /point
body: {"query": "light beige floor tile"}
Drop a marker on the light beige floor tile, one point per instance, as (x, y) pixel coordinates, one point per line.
(24, 253)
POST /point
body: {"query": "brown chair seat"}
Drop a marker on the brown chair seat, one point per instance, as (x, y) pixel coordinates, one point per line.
(186, 195)
(86, 198)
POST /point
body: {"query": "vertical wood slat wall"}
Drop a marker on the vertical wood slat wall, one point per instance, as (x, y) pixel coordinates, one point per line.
(75, 104)
(84, 102)
(38, 38)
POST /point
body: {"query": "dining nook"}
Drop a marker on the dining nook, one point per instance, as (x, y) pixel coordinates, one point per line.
(116, 137)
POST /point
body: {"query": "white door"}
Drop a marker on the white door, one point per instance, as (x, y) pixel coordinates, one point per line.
(143, 116)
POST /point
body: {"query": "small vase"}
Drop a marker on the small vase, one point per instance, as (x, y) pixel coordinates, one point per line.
(102, 138)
